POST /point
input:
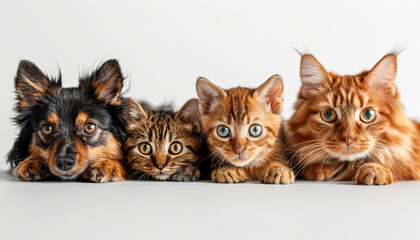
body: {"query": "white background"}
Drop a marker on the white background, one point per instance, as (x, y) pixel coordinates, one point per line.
(163, 46)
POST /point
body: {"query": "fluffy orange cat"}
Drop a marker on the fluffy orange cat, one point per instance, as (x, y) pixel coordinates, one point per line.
(352, 127)
(242, 126)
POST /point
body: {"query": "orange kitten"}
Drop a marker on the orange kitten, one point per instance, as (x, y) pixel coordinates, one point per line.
(242, 127)
(352, 127)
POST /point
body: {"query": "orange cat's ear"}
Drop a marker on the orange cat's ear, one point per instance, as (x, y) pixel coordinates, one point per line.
(209, 95)
(132, 112)
(270, 94)
(190, 113)
(383, 74)
(312, 74)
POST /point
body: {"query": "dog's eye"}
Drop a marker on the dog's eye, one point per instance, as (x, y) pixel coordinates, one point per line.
(89, 128)
(145, 148)
(47, 129)
(175, 148)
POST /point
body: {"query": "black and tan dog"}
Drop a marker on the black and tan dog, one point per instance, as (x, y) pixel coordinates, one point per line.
(68, 133)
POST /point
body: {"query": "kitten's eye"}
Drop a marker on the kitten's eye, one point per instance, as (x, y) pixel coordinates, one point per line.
(145, 148)
(368, 115)
(223, 131)
(89, 128)
(329, 115)
(47, 129)
(255, 130)
(175, 148)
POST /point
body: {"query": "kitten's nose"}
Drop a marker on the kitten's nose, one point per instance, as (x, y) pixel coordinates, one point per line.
(161, 161)
(238, 149)
(348, 139)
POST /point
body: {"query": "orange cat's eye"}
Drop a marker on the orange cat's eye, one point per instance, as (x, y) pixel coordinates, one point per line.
(175, 148)
(328, 114)
(89, 128)
(145, 148)
(47, 129)
(368, 115)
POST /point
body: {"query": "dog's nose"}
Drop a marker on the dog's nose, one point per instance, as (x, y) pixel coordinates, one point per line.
(65, 163)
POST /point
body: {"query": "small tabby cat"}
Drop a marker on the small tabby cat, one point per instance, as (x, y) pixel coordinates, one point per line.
(161, 144)
(352, 127)
(242, 127)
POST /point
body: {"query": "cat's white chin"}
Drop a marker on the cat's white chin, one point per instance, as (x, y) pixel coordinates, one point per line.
(349, 156)
(161, 176)
(240, 162)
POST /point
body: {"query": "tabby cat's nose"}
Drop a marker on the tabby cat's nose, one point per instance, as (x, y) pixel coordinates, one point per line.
(348, 140)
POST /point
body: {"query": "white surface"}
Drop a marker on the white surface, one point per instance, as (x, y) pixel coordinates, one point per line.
(163, 46)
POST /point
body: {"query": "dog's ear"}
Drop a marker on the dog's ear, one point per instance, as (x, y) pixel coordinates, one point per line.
(30, 83)
(106, 83)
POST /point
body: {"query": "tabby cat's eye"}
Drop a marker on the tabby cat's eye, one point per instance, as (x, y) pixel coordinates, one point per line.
(145, 148)
(223, 131)
(255, 130)
(89, 128)
(175, 148)
(368, 115)
(47, 129)
(329, 115)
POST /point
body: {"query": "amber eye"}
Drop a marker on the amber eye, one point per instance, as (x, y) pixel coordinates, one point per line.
(175, 148)
(47, 129)
(89, 128)
(368, 115)
(145, 148)
(329, 115)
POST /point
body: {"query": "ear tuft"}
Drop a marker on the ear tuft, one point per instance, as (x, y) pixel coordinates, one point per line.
(312, 75)
(106, 83)
(270, 94)
(132, 112)
(383, 74)
(30, 83)
(209, 95)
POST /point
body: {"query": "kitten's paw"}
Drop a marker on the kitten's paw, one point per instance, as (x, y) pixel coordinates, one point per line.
(32, 170)
(374, 174)
(318, 172)
(103, 171)
(186, 175)
(229, 175)
(279, 175)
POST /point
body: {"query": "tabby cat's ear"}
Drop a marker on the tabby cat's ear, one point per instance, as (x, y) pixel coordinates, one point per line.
(132, 112)
(383, 74)
(190, 113)
(312, 74)
(31, 83)
(270, 94)
(209, 95)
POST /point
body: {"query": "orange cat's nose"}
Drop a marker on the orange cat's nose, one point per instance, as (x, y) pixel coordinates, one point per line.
(348, 140)
(238, 149)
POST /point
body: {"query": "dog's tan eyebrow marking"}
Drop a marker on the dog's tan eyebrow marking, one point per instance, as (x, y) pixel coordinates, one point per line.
(81, 118)
(53, 118)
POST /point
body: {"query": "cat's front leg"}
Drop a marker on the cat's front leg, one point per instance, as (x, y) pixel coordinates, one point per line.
(318, 172)
(105, 170)
(186, 174)
(277, 173)
(229, 175)
(374, 174)
(32, 169)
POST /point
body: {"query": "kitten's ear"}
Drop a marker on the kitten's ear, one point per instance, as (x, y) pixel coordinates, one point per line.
(106, 83)
(270, 94)
(132, 112)
(312, 74)
(31, 83)
(209, 95)
(383, 74)
(190, 113)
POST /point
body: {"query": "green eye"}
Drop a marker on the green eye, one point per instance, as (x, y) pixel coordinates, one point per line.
(223, 131)
(368, 115)
(255, 130)
(328, 114)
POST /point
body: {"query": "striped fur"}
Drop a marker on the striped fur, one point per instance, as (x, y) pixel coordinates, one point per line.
(381, 152)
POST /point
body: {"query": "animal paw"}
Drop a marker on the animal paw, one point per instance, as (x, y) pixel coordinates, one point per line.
(318, 172)
(186, 175)
(374, 174)
(279, 175)
(32, 170)
(229, 175)
(105, 171)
